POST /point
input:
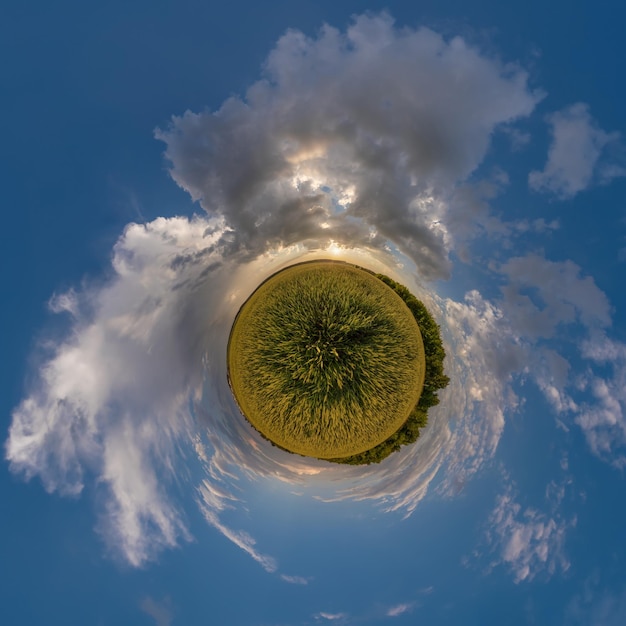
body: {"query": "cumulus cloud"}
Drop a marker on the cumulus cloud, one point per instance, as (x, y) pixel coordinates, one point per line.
(364, 138)
(359, 136)
(162, 323)
(576, 155)
(544, 299)
(365, 144)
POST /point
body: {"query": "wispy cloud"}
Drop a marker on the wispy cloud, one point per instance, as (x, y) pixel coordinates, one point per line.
(528, 541)
(242, 540)
(566, 301)
(304, 186)
(372, 138)
(295, 580)
(113, 399)
(110, 400)
(598, 603)
(331, 616)
(400, 609)
(603, 417)
(161, 612)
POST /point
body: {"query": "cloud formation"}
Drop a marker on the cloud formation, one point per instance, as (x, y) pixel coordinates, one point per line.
(111, 399)
(295, 580)
(603, 417)
(528, 541)
(331, 616)
(366, 145)
(577, 155)
(399, 609)
(358, 136)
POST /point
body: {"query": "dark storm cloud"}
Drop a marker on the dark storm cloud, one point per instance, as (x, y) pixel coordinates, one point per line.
(377, 123)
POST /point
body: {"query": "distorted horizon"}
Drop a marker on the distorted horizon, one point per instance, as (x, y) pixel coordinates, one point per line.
(465, 168)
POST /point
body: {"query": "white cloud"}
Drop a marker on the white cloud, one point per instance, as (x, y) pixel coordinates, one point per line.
(331, 616)
(544, 300)
(527, 540)
(519, 139)
(367, 138)
(67, 302)
(399, 609)
(465, 428)
(241, 539)
(560, 295)
(215, 498)
(110, 402)
(575, 156)
(361, 137)
(603, 417)
(295, 580)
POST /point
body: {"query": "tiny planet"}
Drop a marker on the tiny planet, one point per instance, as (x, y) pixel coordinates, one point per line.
(327, 360)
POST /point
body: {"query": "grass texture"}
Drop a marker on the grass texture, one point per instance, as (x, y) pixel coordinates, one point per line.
(434, 380)
(326, 360)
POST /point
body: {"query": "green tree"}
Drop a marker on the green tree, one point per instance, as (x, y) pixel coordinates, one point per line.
(435, 379)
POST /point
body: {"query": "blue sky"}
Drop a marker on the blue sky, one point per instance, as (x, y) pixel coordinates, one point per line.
(160, 159)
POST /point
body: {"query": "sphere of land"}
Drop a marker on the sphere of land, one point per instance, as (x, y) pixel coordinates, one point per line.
(326, 360)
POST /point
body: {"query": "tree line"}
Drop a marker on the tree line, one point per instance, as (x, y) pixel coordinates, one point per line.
(434, 380)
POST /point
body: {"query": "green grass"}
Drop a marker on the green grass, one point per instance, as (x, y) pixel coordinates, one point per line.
(326, 360)
(434, 380)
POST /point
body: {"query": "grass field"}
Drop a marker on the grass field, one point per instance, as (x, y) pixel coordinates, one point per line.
(326, 360)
